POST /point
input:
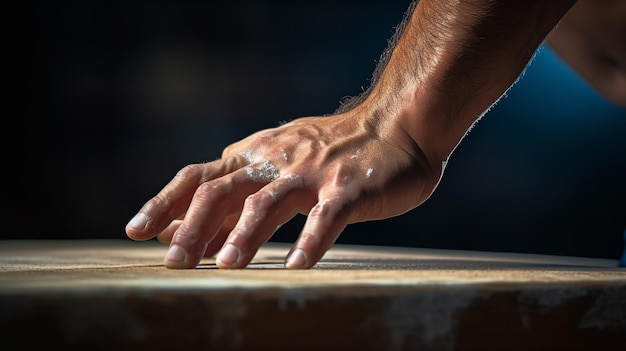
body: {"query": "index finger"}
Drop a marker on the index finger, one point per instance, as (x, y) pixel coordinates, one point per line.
(174, 199)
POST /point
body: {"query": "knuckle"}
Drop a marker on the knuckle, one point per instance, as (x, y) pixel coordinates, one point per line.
(330, 212)
(260, 199)
(344, 174)
(228, 151)
(189, 174)
(328, 207)
(186, 237)
(269, 135)
(213, 189)
(310, 241)
(320, 209)
(230, 164)
(160, 201)
(159, 205)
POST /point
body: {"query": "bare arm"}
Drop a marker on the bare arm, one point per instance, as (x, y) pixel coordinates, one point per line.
(377, 157)
(454, 60)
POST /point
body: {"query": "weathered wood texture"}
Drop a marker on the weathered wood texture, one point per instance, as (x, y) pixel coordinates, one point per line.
(116, 294)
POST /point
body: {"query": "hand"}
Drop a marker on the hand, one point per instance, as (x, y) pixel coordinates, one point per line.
(337, 170)
(377, 160)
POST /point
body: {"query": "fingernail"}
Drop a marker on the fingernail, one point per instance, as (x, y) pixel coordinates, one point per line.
(176, 254)
(138, 222)
(229, 255)
(297, 259)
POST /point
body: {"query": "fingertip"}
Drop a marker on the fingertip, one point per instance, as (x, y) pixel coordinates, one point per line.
(176, 257)
(138, 222)
(228, 257)
(324, 224)
(297, 259)
(136, 226)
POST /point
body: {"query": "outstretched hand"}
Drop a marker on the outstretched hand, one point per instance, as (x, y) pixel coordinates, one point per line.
(451, 62)
(336, 170)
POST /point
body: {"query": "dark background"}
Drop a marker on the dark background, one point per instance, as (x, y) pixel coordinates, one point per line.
(106, 100)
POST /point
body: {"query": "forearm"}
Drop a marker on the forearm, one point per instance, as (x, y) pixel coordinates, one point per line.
(453, 60)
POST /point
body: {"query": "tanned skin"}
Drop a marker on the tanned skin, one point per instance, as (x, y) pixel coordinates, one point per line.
(380, 155)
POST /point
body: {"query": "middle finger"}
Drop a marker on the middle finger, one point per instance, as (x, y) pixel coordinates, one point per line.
(263, 212)
(212, 203)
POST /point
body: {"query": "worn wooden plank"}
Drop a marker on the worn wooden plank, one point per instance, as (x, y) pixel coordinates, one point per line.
(116, 293)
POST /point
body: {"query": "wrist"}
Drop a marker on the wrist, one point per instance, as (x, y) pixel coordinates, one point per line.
(437, 83)
(391, 116)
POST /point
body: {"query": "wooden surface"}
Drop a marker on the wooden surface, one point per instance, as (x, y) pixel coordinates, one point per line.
(103, 294)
